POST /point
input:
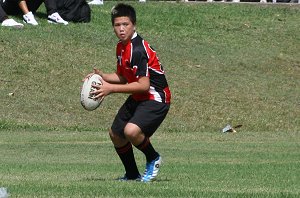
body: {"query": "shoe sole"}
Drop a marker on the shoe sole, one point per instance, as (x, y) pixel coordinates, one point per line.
(54, 22)
(29, 23)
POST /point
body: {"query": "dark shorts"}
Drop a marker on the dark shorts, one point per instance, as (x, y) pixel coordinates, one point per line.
(148, 115)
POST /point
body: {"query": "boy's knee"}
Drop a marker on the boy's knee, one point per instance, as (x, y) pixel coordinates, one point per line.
(134, 134)
(131, 130)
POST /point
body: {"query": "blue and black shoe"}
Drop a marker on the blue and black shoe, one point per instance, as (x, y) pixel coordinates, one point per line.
(151, 170)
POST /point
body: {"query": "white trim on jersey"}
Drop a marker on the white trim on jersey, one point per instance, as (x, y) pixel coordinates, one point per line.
(146, 48)
(157, 71)
(155, 94)
(134, 35)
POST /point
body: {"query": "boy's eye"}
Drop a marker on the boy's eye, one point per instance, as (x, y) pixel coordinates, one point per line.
(121, 24)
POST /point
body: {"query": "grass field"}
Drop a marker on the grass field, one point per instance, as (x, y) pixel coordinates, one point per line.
(226, 63)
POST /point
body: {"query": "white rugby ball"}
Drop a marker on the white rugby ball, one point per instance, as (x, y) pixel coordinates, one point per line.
(86, 98)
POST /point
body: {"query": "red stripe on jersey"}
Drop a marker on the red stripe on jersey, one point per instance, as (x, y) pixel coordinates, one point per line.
(168, 95)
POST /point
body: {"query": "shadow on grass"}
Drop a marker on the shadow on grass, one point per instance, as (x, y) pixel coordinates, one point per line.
(96, 179)
(117, 179)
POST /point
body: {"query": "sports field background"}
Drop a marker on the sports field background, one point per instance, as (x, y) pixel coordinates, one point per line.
(226, 64)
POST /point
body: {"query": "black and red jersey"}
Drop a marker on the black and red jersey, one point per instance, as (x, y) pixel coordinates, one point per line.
(136, 59)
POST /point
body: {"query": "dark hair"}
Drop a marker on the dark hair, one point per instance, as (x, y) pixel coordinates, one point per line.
(123, 10)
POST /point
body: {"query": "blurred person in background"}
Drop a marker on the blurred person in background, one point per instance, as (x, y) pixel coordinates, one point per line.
(29, 7)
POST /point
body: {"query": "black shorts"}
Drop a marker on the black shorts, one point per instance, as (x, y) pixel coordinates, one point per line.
(148, 115)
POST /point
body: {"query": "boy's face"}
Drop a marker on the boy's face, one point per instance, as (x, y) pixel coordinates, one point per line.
(124, 28)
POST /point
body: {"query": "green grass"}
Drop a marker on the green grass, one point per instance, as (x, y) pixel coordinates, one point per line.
(226, 63)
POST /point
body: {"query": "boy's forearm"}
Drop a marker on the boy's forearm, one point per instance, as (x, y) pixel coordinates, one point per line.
(113, 78)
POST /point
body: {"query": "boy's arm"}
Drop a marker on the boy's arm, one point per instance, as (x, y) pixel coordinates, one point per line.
(142, 85)
(113, 78)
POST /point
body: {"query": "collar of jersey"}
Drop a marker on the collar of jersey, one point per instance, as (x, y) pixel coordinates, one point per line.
(134, 35)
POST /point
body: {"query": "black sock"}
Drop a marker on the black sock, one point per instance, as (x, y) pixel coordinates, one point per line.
(147, 148)
(127, 157)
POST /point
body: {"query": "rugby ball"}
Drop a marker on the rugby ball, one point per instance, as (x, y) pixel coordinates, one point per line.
(86, 98)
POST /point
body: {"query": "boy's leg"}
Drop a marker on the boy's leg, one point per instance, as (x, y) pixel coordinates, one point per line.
(121, 143)
(125, 151)
(147, 148)
(135, 135)
(147, 118)
(153, 160)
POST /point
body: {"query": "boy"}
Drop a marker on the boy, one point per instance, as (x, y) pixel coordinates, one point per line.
(139, 73)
